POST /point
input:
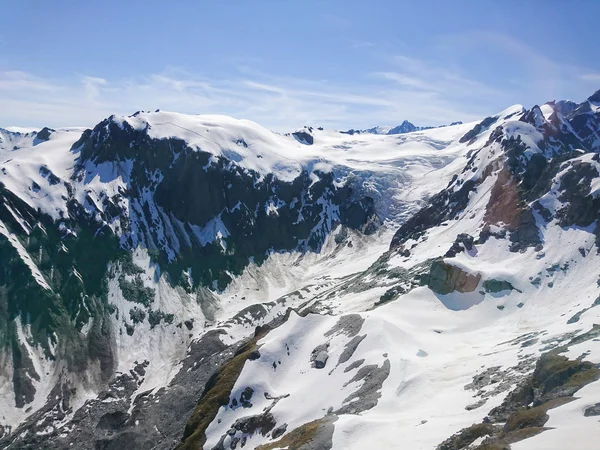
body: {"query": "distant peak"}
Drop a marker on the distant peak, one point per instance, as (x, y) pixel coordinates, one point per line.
(405, 127)
(595, 97)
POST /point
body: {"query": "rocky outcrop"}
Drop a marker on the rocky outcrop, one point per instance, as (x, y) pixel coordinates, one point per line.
(184, 191)
(319, 356)
(201, 218)
(445, 278)
(317, 434)
(463, 242)
(478, 129)
(44, 134)
(121, 417)
(368, 394)
(443, 206)
(494, 286)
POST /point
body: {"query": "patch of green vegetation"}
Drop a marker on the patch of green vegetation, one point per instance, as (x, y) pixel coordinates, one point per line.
(553, 383)
(137, 315)
(493, 446)
(295, 439)
(73, 256)
(217, 393)
(128, 266)
(135, 291)
(533, 417)
(468, 435)
(553, 371)
(155, 317)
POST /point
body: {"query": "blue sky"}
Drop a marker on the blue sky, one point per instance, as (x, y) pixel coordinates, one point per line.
(284, 64)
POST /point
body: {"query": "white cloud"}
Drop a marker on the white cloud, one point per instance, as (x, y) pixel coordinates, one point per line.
(415, 89)
(92, 87)
(12, 80)
(591, 77)
(276, 102)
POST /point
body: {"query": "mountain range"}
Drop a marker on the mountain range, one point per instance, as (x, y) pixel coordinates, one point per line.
(404, 127)
(198, 281)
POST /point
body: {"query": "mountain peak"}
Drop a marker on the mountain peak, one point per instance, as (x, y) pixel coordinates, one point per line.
(405, 127)
(595, 97)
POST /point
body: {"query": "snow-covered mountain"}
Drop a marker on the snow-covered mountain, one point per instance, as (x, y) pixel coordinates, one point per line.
(202, 282)
(403, 128)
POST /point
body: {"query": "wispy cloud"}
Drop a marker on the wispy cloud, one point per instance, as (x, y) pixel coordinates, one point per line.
(424, 91)
(442, 80)
(16, 80)
(281, 103)
(591, 77)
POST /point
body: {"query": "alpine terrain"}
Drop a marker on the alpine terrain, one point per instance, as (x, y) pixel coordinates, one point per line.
(172, 281)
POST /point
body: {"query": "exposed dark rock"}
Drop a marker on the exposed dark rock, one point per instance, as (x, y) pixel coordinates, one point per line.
(350, 348)
(495, 286)
(246, 426)
(53, 180)
(249, 425)
(404, 127)
(112, 421)
(506, 207)
(279, 431)
(593, 410)
(553, 383)
(445, 278)
(217, 392)
(575, 318)
(443, 206)
(254, 355)
(478, 129)
(580, 208)
(24, 374)
(44, 134)
(246, 396)
(354, 365)
(463, 242)
(320, 359)
(368, 394)
(314, 435)
(155, 317)
(467, 436)
(304, 137)
(477, 404)
(349, 324)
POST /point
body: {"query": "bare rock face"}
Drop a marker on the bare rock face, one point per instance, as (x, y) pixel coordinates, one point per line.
(319, 356)
(445, 278)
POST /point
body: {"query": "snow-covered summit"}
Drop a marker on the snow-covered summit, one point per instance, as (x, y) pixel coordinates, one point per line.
(242, 141)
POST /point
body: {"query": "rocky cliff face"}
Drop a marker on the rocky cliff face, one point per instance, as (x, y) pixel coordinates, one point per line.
(522, 160)
(71, 288)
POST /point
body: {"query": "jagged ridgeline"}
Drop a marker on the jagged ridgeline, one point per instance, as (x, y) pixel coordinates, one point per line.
(532, 156)
(176, 196)
(201, 217)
